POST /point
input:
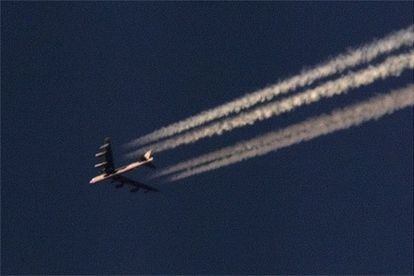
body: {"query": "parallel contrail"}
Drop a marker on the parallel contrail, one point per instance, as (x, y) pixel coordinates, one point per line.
(347, 117)
(392, 66)
(353, 57)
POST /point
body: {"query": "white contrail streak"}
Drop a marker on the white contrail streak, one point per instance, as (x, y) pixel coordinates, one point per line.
(392, 66)
(347, 117)
(351, 58)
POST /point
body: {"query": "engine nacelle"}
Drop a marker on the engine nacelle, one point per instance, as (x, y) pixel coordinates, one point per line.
(100, 165)
(104, 146)
(102, 153)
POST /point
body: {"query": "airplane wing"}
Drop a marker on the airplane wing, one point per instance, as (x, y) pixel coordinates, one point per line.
(105, 155)
(106, 165)
(135, 185)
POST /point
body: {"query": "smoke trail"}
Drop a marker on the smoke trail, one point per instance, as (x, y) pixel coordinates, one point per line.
(206, 158)
(225, 152)
(392, 66)
(339, 119)
(336, 65)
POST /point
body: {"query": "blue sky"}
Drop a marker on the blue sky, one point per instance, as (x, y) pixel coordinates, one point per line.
(75, 72)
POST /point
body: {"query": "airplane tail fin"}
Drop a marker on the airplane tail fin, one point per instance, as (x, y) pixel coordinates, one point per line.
(147, 156)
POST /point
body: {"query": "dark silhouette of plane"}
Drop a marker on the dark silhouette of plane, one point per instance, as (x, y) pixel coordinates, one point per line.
(116, 175)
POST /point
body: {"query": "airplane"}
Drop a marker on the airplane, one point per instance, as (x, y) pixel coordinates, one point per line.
(116, 175)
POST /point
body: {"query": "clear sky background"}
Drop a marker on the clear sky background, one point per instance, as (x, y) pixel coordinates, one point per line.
(73, 73)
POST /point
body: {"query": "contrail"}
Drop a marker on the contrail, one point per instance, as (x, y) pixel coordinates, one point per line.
(347, 117)
(392, 66)
(351, 58)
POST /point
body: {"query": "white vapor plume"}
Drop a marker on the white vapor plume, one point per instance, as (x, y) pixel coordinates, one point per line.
(347, 117)
(392, 66)
(351, 58)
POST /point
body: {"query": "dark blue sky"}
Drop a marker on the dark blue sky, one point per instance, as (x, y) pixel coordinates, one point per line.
(73, 73)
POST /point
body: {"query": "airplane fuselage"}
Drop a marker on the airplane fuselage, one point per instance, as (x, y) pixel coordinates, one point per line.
(119, 171)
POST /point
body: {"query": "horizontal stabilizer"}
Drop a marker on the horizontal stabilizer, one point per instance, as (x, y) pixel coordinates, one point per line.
(150, 165)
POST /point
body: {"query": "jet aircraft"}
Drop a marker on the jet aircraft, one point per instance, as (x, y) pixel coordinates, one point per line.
(117, 175)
